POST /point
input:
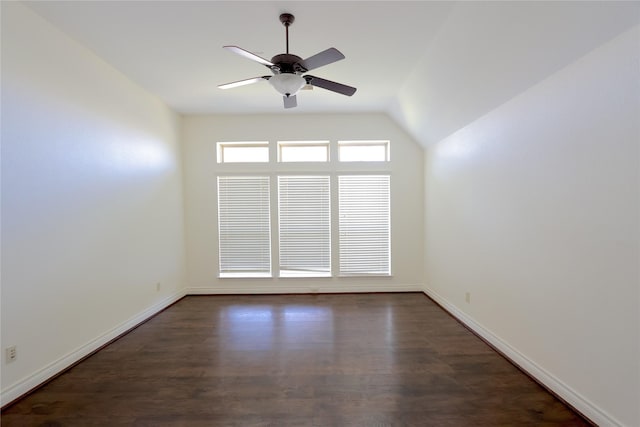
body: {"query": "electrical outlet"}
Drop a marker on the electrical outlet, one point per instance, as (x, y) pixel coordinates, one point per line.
(158, 286)
(11, 353)
(467, 297)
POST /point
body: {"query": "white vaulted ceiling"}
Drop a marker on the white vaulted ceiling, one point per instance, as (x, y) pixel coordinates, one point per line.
(174, 48)
(434, 66)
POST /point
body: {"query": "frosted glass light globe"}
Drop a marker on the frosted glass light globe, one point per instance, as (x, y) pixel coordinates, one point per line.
(287, 84)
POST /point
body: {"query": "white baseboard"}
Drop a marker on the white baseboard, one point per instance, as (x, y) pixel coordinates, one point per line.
(29, 383)
(299, 288)
(573, 398)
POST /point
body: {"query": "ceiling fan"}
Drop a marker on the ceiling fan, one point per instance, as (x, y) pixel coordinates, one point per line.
(288, 70)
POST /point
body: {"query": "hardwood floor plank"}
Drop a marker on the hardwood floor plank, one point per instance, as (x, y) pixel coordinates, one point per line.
(295, 360)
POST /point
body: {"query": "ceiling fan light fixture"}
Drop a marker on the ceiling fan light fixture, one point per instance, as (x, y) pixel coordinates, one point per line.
(287, 70)
(288, 84)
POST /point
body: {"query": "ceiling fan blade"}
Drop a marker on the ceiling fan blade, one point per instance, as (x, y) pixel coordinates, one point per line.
(290, 101)
(329, 85)
(325, 57)
(248, 55)
(243, 82)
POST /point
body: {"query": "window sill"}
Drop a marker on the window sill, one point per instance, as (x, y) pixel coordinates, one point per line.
(245, 276)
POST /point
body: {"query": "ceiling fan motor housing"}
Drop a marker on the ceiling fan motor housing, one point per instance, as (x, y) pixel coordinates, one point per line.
(288, 63)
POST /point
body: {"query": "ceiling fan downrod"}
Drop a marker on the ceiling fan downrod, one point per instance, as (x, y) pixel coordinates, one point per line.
(287, 19)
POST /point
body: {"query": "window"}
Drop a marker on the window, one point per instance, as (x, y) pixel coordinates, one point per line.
(364, 224)
(243, 152)
(244, 226)
(304, 210)
(303, 151)
(363, 151)
(328, 218)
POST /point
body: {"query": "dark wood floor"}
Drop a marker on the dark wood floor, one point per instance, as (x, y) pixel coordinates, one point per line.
(295, 360)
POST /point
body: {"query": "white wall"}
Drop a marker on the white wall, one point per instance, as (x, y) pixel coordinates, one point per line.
(534, 210)
(91, 201)
(200, 134)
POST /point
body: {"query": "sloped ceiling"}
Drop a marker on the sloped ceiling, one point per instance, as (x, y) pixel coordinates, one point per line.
(486, 53)
(433, 66)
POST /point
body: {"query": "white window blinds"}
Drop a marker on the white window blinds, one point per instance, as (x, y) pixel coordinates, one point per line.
(244, 226)
(304, 207)
(364, 224)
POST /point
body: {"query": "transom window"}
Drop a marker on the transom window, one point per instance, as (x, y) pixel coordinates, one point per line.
(243, 152)
(363, 151)
(303, 151)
